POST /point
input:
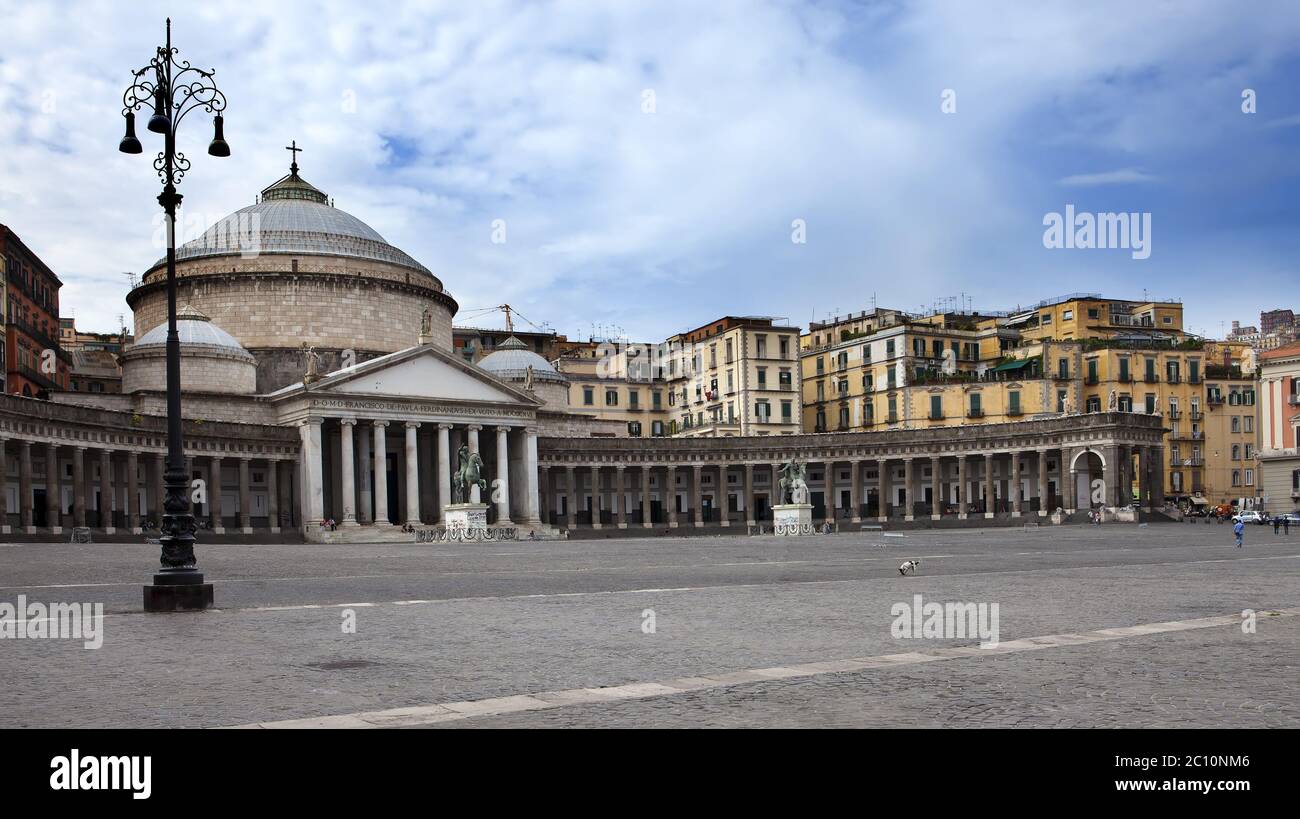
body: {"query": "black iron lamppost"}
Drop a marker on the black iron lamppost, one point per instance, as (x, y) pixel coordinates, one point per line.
(174, 88)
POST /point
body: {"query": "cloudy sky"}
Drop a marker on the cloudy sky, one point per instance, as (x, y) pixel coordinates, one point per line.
(649, 159)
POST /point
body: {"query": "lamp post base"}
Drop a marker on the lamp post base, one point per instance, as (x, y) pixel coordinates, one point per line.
(178, 591)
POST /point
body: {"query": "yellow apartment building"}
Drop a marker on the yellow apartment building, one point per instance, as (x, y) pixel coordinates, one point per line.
(1080, 353)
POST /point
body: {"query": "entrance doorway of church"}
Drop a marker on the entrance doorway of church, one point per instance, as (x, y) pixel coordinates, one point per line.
(38, 508)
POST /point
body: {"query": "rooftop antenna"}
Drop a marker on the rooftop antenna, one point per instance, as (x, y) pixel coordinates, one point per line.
(130, 276)
(510, 324)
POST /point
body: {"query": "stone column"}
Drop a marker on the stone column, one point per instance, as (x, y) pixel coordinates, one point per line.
(132, 492)
(245, 499)
(347, 469)
(273, 496)
(936, 489)
(364, 486)
(1043, 499)
(620, 501)
(1013, 485)
(312, 489)
(4, 488)
(571, 485)
(749, 495)
(963, 507)
(1111, 472)
(412, 458)
(828, 491)
(909, 491)
(855, 491)
(78, 486)
(475, 494)
(381, 473)
(990, 502)
(444, 470)
(106, 491)
(532, 477)
(670, 498)
(722, 497)
(595, 496)
(53, 492)
(647, 518)
(697, 495)
(214, 496)
(158, 489)
(544, 507)
(26, 499)
(503, 476)
(882, 490)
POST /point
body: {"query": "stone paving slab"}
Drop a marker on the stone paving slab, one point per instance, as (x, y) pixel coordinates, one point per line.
(439, 625)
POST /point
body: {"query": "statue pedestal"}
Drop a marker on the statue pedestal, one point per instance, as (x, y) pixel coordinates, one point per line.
(465, 517)
(789, 519)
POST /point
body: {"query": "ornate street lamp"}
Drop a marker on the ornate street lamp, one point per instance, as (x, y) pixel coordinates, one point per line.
(174, 88)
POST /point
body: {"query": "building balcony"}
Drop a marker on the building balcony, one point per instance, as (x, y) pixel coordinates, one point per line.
(1194, 379)
(1196, 415)
(1014, 411)
(974, 413)
(1173, 379)
(936, 416)
(1092, 381)
(1174, 414)
(1151, 379)
(1125, 378)
(1293, 400)
(1061, 377)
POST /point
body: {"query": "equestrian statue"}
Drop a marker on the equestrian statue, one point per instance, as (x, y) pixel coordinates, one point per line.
(468, 476)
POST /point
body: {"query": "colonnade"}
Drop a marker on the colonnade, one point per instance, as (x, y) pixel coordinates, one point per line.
(1015, 483)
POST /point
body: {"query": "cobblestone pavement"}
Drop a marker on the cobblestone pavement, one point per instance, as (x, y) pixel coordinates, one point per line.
(459, 622)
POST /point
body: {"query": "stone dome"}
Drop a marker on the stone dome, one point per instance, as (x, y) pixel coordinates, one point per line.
(211, 359)
(511, 360)
(294, 217)
(193, 328)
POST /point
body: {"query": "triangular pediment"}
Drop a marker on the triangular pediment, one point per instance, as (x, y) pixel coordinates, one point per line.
(419, 372)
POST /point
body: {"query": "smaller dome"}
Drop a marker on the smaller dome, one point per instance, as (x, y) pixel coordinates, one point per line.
(193, 328)
(511, 360)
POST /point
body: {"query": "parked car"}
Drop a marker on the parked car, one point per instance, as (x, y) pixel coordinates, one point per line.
(1223, 510)
(1250, 517)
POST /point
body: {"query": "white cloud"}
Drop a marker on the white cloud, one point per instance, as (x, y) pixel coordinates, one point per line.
(531, 113)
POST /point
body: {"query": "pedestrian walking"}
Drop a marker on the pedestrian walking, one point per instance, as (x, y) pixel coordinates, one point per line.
(1286, 526)
(1239, 529)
